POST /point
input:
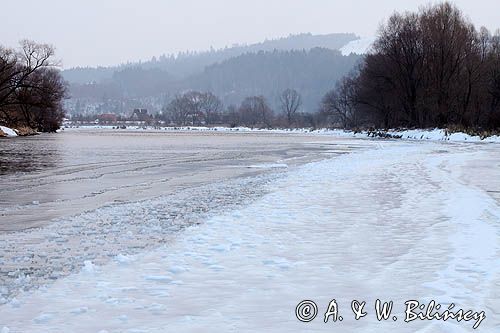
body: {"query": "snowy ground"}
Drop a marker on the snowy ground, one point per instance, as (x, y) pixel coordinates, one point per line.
(399, 222)
(413, 134)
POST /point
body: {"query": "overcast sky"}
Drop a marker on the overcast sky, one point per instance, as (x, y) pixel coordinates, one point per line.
(105, 32)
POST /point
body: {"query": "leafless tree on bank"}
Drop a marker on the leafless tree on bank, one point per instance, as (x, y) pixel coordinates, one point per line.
(31, 88)
(290, 101)
(254, 111)
(427, 69)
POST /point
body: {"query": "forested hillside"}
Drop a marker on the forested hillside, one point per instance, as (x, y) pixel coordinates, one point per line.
(311, 73)
(232, 74)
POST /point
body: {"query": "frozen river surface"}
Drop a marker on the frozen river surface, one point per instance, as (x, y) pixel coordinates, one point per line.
(89, 195)
(391, 220)
(56, 175)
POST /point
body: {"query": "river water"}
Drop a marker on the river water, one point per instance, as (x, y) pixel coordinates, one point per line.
(90, 195)
(55, 175)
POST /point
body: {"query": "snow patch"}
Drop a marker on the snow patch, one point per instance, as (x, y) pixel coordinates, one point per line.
(8, 131)
(268, 166)
(441, 135)
(79, 311)
(159, 278)
(177, 269)
(88, 267)
(123, 259)
(43, 318)
(358, 46)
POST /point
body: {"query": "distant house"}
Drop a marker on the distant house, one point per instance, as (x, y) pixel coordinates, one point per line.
(107, 118)
(140, 115)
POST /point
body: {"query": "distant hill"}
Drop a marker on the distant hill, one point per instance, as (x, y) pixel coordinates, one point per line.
(311, 72)
(185, 64)
(310, 64)
(83, 75)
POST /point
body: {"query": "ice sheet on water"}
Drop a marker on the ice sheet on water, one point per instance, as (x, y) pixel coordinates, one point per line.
(115, 232)
(375, 224)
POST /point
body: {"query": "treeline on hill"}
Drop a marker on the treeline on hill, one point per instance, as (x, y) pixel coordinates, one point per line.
(31, 88)
(426, 69)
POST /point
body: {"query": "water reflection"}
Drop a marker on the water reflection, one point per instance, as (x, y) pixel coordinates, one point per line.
(28, 154)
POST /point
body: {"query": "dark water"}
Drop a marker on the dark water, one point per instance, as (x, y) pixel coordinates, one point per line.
(27, 154)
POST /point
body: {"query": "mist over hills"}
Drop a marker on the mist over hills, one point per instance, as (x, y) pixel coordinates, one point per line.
(309, 63)
(188, 63)
(311, 73)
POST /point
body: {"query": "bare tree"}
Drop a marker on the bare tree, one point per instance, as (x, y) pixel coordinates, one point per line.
(255, 111)
(430, 68)
(211, 106)
(341, 103)
(17, 67)
(232, 115)
(192, 107)
(31, 88)
(194, 102)
(40, 100)
(493, 82)
(177, 110)
(449, 43)
(290, 101)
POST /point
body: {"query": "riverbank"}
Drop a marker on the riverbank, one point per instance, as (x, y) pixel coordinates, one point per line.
(405, 134)
(435, 134)
(20, 131)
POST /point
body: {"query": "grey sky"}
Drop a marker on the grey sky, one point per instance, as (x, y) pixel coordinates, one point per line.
(104, 32)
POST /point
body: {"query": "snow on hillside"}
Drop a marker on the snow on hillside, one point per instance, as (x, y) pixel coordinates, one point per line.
(358, 46)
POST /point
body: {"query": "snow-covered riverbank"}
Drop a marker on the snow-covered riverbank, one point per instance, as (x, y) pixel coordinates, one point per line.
(413, 134)
(395, 223)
